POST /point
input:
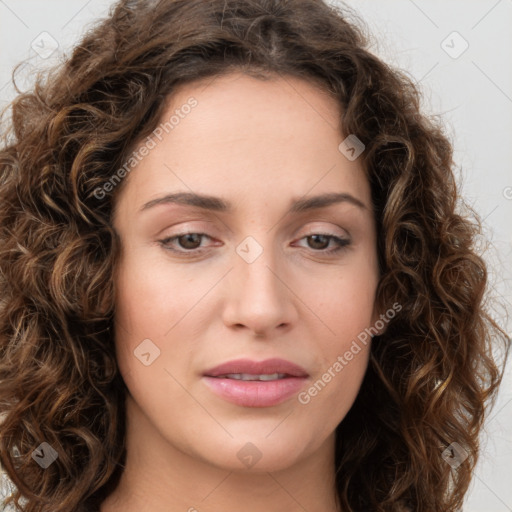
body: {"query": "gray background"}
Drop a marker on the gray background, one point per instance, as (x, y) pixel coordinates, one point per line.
(471, 89)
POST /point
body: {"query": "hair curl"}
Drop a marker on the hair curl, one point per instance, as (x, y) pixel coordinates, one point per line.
(431, 375)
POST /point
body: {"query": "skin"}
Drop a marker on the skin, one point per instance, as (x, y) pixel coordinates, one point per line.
(261, 145)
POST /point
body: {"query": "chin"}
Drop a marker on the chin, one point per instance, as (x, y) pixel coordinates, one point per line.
(256, 454)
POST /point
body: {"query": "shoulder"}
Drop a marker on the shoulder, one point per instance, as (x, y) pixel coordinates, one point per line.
(6, 489)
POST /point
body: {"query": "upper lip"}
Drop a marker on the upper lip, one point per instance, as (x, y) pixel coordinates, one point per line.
(266, 367)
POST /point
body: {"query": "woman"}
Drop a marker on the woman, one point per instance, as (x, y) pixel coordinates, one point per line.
(235, 273)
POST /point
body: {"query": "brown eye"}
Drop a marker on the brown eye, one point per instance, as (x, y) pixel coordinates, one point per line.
(319, 242)
(184, 242)
(189, 241)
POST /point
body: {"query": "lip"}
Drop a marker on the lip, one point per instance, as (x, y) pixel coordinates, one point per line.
(268, 366)
(256, 393)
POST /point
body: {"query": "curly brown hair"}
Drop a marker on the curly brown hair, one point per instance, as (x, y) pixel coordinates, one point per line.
(432, 375)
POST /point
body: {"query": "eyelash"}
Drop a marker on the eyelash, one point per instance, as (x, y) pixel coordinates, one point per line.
(342, 243)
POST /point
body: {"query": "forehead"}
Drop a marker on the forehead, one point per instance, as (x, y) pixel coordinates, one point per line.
(244, 135)
(276, 107)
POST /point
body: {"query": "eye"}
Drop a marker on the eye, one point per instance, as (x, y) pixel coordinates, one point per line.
(190, 243)
(320, 241)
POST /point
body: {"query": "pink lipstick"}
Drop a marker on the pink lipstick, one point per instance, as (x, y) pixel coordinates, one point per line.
(256, 383)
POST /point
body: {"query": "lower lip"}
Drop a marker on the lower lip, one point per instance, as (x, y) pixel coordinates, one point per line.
(255, 393)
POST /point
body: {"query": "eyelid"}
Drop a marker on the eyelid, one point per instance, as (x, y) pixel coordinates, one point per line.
(319, 227)
(312, 230)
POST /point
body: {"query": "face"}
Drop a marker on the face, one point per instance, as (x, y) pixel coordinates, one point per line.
(255, 274)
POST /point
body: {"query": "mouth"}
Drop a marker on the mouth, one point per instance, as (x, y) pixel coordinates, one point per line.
(248, 376)
(245, 369)
(249, 383)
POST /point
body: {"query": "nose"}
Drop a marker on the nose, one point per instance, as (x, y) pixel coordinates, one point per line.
(259, 298)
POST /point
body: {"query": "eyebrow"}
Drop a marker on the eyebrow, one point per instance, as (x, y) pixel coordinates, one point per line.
(217, 204)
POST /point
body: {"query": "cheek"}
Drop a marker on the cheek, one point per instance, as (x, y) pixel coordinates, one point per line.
(155, 303)
(335, 385)
(344, 303)
(333, 391)
(345, 309)
(150, 298)
(141, 301)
